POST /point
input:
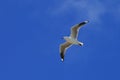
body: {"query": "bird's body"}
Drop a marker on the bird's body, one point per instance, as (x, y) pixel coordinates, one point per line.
(71, 40)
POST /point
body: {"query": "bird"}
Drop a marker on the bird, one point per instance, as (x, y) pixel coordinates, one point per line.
(72, 39)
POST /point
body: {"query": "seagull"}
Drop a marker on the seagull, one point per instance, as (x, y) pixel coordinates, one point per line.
(72, 39)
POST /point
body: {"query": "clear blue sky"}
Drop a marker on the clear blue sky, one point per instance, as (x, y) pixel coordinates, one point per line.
(31, 32)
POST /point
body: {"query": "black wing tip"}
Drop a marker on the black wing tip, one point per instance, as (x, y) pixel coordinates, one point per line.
(84, 22)
(62, 57)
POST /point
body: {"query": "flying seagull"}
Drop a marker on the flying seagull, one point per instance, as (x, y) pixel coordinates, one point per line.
(72, 39)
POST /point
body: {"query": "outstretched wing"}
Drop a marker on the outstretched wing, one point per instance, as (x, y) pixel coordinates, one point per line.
(75, 29)
(63, 48)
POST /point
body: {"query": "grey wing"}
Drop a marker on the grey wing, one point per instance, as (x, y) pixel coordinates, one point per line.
(63, 48)
(75, 29)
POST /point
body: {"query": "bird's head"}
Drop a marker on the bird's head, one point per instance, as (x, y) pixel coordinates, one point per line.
(65, 37)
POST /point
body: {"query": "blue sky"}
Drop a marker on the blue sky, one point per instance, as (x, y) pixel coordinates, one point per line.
(31, 32)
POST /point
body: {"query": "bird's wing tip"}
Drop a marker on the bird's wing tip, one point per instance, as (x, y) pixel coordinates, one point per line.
(62, 60)
(86, 21)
